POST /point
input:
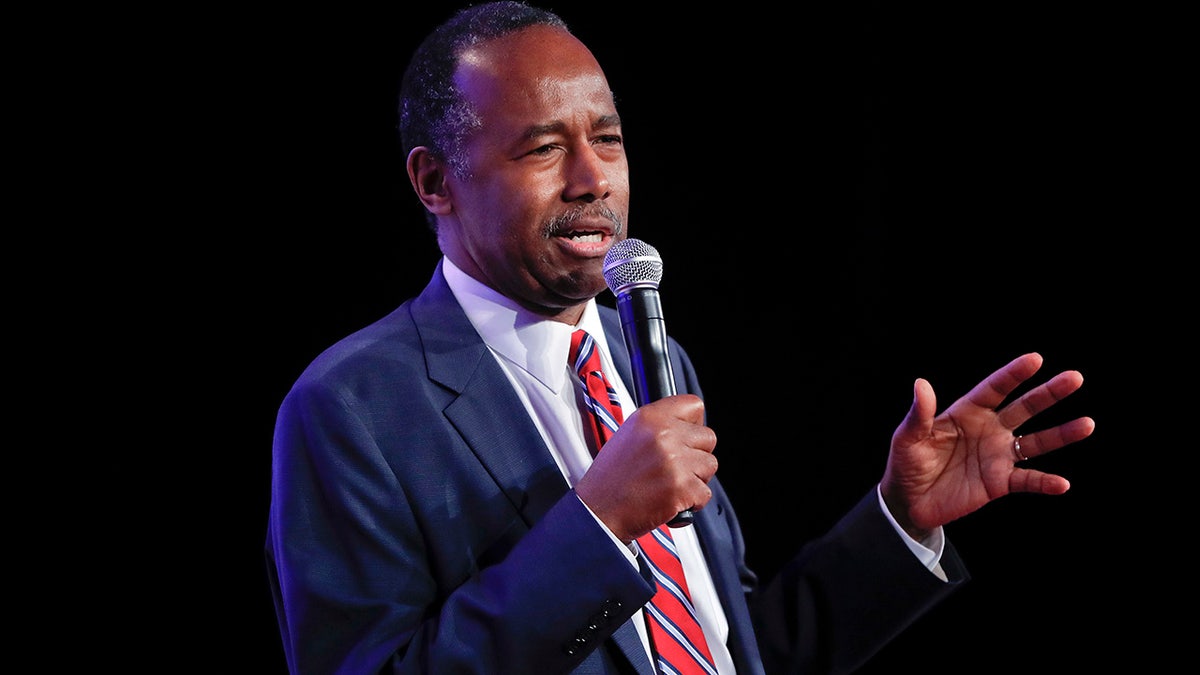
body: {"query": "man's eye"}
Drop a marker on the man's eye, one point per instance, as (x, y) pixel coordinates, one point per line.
(610, 138)
(542, 150)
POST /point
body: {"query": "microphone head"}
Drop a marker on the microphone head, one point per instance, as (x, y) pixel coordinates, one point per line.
(632, 263)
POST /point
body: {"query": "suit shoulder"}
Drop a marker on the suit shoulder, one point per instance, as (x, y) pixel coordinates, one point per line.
(385, 345)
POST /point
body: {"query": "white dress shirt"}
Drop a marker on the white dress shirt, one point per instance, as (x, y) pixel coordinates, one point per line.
(532, 352)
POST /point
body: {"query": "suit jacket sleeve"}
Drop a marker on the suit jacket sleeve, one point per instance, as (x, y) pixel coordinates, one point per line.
(846, 595)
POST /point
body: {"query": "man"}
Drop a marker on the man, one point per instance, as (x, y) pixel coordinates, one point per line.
(437, 503)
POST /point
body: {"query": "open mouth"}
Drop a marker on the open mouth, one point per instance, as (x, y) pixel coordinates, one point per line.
(586, 237)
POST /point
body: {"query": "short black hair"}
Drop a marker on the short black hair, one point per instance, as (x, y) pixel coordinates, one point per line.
(432, 111)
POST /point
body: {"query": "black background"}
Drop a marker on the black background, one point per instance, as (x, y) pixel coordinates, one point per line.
(846, 197)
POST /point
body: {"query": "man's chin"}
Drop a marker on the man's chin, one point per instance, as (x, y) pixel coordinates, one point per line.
(572, 292)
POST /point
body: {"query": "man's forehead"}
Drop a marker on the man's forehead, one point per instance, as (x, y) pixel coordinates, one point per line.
(533, 54)
(540, 98)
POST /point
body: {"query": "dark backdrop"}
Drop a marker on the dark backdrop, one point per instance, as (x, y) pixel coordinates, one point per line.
(853, 196)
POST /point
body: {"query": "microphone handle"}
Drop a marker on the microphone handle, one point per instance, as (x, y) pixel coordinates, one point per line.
(646, 337)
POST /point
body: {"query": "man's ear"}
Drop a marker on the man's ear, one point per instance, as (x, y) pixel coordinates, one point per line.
(428, 177)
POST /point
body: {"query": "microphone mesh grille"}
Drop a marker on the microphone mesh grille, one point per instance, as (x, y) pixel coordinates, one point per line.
(632, 262)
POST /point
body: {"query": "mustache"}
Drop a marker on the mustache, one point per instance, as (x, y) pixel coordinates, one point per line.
(559, 224)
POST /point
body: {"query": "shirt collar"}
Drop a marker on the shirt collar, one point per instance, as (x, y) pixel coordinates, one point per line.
(533, 343)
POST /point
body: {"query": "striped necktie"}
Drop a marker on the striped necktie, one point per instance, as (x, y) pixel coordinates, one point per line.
(675, 634)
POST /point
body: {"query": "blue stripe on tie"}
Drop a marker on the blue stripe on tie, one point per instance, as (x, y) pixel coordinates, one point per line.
(666, 542)
(673, 630)
(669, 584)
(600, 411)
(666, 668)
(585, 351)
(612, 393)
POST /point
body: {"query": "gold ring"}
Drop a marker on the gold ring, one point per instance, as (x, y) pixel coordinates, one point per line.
(1017, 449)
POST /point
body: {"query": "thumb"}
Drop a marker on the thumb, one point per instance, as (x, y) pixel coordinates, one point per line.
(918, 422)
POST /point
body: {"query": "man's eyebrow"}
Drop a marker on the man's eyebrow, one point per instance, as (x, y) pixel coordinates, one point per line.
(604, 121)
(538, 130)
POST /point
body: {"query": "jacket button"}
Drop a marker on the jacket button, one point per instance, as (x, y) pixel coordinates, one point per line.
(572, 648)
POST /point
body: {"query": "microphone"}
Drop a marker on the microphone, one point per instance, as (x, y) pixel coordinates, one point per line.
(632, 270)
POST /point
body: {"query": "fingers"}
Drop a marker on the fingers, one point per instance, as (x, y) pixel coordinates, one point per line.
(683, 415)
(687, 407)
(686, 445)
(1042, 442)
(689, 447)
(657, 464)
(1048, 440)
(1040, 398)
(1028, 480)
(992, 391)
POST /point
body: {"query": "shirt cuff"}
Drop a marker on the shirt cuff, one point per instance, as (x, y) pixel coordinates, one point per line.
(630, 550)
(928, 550)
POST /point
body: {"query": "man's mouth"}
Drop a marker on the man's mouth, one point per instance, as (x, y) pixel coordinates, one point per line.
(586, 237)
(591, 225)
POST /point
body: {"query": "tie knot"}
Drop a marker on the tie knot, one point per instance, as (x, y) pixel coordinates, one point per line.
(598, 394)
(582, 349)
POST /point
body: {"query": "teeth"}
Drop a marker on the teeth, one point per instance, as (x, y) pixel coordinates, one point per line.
(589, 238)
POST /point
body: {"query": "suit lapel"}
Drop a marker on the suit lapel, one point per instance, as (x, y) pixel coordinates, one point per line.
(714, 535)
(615, 337)
(487, 412)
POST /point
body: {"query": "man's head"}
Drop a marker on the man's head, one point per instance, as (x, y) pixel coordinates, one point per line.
(514, 147)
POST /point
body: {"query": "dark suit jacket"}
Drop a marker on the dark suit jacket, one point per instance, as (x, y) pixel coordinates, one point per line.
(419, 524)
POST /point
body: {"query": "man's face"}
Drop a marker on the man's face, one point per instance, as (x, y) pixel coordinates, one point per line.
(548, 190)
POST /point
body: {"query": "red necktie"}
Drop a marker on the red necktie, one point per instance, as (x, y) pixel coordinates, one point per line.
(675, 633)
